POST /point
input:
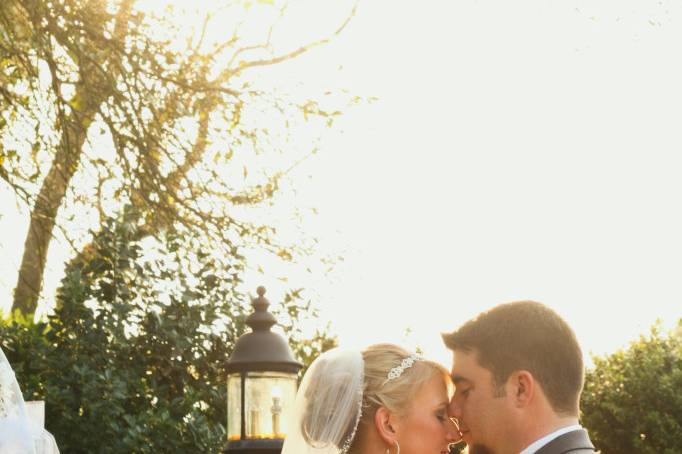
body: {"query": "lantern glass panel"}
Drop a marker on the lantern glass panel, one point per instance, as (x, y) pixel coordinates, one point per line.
(234, 406)
(269, 399)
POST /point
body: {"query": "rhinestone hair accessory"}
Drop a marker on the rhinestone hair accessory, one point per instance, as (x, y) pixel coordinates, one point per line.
(404, 365)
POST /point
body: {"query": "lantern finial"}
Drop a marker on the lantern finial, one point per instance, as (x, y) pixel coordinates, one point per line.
(262, 349)
(261, 319)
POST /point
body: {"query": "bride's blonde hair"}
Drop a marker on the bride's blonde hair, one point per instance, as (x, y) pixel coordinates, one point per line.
(395, 395)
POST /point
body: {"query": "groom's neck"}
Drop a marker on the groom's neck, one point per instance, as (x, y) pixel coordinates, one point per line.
(544, 425)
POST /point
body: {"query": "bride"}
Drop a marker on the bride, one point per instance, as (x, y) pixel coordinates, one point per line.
(382, 400)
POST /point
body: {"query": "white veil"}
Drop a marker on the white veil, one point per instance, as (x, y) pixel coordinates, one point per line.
(328, 405)
(18, 433)
(15, 429)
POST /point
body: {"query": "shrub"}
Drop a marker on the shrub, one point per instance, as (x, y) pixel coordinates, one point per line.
(632, 400)
(133, 359)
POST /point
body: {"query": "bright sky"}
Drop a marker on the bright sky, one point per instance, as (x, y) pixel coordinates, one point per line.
(518, 150)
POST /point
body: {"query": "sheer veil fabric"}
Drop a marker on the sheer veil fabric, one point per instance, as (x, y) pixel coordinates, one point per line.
(15, 430)
(18, 435)
(328, 405)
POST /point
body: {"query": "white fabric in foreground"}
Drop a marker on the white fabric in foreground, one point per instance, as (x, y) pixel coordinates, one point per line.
(18, 435)
(15, 436)
(328, 405)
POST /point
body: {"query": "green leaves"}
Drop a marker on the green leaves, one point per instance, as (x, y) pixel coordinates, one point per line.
(632, 400)
(133, 358)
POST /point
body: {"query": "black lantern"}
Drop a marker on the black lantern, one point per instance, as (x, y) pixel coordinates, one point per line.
(261, 386)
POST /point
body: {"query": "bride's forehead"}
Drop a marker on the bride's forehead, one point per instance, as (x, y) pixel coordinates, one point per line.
(426, 402)
(433, 390)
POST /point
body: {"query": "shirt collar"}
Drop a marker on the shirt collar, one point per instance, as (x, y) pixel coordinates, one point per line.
(533, 447)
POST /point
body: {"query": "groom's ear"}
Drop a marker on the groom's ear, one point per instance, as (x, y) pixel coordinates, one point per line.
(522, 385)
(384, 424)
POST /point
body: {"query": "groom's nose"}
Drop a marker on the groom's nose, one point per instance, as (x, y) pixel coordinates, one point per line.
(454, 410)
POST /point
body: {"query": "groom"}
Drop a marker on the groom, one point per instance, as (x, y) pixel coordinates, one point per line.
(518, 372)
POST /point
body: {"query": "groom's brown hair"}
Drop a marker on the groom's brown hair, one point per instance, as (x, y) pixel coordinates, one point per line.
(526, 335)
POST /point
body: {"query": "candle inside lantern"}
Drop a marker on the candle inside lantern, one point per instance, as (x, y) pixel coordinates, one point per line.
(276, 410)
(255, 423)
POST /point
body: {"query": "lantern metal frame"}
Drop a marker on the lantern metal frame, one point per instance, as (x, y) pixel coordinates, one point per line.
(260, 350)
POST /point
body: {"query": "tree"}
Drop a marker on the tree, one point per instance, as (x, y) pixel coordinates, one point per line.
(100, 108)
(133, 360)
(632, 400)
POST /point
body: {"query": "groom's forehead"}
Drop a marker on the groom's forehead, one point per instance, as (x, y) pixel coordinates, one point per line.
(464, 366)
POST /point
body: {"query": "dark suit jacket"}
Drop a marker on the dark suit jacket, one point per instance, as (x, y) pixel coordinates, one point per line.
(575, 442)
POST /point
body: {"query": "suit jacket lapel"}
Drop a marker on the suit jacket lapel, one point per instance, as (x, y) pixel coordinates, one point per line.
(577, 439)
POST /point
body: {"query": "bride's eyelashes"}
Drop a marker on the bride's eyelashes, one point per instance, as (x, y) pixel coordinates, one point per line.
(442, 413)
